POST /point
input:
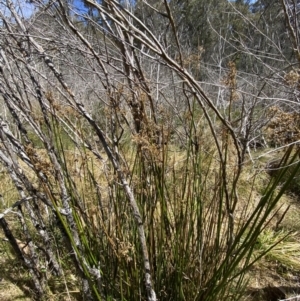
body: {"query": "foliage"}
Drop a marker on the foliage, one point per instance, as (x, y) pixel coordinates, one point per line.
(128, 172)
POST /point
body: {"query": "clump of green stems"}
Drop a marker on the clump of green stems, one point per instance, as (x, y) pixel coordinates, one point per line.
(195, 251)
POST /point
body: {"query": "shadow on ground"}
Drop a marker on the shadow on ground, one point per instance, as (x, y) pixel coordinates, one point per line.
(272, 293)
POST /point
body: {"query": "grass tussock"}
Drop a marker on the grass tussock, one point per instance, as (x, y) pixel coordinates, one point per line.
(203, 230)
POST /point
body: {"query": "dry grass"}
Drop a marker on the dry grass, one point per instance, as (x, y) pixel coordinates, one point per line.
(11, 292)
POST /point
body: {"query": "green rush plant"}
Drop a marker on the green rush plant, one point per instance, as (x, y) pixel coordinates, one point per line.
(143, 199)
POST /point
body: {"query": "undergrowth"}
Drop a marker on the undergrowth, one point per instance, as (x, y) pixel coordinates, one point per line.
(203, 233)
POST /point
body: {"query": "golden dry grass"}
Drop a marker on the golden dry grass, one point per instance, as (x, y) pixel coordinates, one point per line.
(11, 292)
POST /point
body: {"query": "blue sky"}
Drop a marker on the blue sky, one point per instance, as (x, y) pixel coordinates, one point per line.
(25, 9)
